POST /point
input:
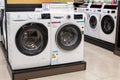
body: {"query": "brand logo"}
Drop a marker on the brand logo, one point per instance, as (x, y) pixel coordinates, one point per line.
(58, 17)
(55, 22)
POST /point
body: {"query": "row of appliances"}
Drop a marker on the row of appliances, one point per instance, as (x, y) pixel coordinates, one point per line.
(36, 39)
(101, 21)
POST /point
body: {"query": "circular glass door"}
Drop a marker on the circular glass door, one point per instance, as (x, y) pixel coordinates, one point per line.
(32, 38)
(107, 24)
(93, 22)
(68, 37)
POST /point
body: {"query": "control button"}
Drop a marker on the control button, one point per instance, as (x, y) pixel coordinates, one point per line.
(99, 10)
(108, 11)
(112, 11)
(87, 9)
(68, 17)
(75, 8)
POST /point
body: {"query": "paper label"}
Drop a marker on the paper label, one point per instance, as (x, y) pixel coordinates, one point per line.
(46, 6)
(54, 57)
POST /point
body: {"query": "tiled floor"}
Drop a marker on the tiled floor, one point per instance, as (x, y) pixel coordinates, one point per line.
(101, 65)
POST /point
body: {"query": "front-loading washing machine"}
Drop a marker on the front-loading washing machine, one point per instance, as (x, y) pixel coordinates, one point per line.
(67, 37)
(1, 23)
(108, 23)
(2, 12)
(4, 31)
(93, 24)
(28, 36)
(86, 9)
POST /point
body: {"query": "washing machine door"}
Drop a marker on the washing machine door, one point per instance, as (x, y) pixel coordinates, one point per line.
(32, 39)
(93, 22)
(107, 24)
(68, 37)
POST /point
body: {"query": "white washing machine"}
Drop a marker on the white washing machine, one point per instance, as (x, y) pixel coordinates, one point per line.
(28, 35)
(93, 24)
(108, 23)
(1, 23)
(2, 11)
(3, 36)
(86, 11)
(67, 37)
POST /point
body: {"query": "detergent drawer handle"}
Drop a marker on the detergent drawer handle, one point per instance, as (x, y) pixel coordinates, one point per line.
(19, 20)
(58, 17)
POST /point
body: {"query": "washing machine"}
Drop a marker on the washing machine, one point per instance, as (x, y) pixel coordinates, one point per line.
(108, 23)
(67, 30)
(4, 32)
(2, 11)
(93, 24)
(28, 36)
(1, 23)
(86, 9)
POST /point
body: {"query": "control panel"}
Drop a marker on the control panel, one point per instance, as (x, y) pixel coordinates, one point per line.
(18, 17)
(109, 11)
(23, 16)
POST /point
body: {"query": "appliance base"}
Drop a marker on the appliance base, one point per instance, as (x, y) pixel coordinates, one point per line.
(117, 51)
(101, 43)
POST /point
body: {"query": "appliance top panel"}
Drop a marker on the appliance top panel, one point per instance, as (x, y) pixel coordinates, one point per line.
(110, 7)
(96, 6)
(28, 15)
(60, 15)
(67, 16)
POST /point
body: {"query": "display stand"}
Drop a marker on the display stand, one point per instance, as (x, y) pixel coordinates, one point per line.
(44, 71)
(117, 44)
(100, 43)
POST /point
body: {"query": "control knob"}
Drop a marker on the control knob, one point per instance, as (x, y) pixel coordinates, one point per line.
(68, 16)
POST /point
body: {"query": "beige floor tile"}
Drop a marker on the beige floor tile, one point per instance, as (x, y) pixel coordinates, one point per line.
(4, 75)
(113, 78)
(101, 62)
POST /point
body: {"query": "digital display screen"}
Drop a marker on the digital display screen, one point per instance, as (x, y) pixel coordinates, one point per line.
(78, 16)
